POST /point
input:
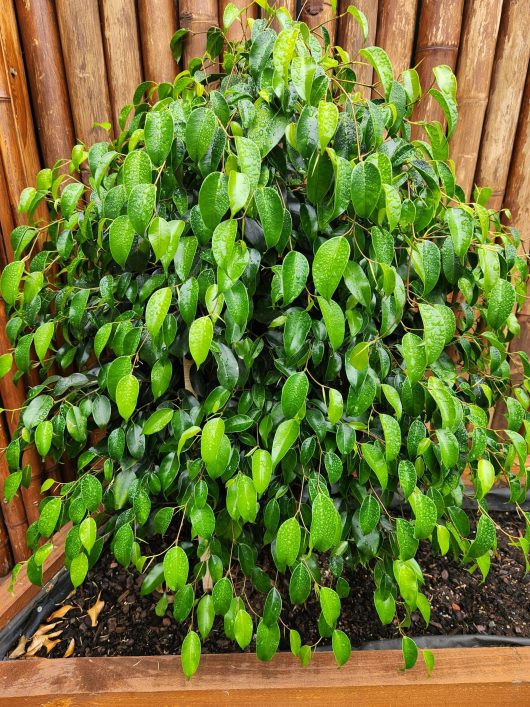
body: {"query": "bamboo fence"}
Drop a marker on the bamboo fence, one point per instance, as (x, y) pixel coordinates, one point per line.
(68, 64)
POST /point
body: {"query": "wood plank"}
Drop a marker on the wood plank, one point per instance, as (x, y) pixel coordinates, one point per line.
(158, 23)
(490, 677)
(317, 14)
(396, 25)
(351, 40)
(240, 29)
(506, 93)
(198, 17)
(122, 53)
(24, 591)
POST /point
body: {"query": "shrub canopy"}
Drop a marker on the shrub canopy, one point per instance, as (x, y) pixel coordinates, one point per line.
(281, 312)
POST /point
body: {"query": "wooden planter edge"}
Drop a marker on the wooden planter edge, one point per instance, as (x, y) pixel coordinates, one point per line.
(492, 676)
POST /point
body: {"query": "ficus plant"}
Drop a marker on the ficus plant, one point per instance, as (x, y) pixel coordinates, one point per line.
(260, 314)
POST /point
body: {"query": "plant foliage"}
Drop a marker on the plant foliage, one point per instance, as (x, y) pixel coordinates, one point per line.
(280, 312)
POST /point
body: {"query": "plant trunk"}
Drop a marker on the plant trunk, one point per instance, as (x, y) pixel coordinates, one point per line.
(84, 61)
(437, 43)
(507, 83)
(351, 40)
(44, 63)
(122, 53)
(198, 17)
(395, 31)
(158, 23)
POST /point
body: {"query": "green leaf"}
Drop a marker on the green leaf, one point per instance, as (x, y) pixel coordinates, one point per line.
(222, 595)
(43, 437)
(365, 188)
(157, 421)
(485, 537)
(267, 640)
(328, 118)
(270, 210)
(137, 169)
(214, 201)
(433, 333)
(330, 605)
(407, 476)
(158, 135)
(190, 654)
(238, 191)
(295, 271)
(333, 321)
(87, 533)
(284, 438)
(127, 392)
(69, 198)
(49, 516)
(200, 339)
(141, 206)
(341, 647)
(360, 18)
(294, 394)
(157, 309)
(10, 281)
(243, 628)
(249, 158)
(42, 339)
(385, 606)
(300, 584)
(37, 411)
(283, 51)
(410, 652)
(91, 492)
(325, 523)
(288, 542)
(392, 434)
(261, 470)
(329, 265)
(378, 58)
(200, 129)
(121, 237)
(369, 514)
(78, 569)
(501, 301)
(176, 567)
(414, 355)
(375, 459)
(485, 477)
(425, 515)
(460, 224)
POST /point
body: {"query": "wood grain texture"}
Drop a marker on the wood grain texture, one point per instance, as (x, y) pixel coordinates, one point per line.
(14, 512)
(480, 26)
(395, 31)
(351, 39)
(240, 29)
(6, 560)
(437, 43)
(198, 17)
(18, 89)
(84, 61)
(317, 14)
(24, 591)
(158, 23)
(517, 197)
(507, 83)
(122, 53)
(47, 80)
(486, 676)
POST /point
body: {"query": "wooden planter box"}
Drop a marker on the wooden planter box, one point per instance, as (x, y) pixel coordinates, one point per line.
(479, 676)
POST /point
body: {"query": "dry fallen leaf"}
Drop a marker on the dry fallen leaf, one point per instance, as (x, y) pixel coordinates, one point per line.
(36, 644)
(20, 648)
(50, 645)
(69, 651)
(45, 628)
(61, 611)
(95, 611)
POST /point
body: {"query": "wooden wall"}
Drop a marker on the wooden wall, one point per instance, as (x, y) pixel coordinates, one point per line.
(67, 64)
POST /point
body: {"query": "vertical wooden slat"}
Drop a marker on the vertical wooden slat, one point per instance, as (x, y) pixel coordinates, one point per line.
(351, 39)
(480, 26)
(517, 196)
(47, 80)
(13, 512)
(16, 77)
(6, 560)
(395, 31)
(240, 29)
(507, 83)
(84, 63)
(198, 17)
(437, 43)
(122, 53)
(158, 23)
(318, 13)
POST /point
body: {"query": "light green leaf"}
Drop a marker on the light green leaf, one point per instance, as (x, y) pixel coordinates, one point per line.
(200, 338)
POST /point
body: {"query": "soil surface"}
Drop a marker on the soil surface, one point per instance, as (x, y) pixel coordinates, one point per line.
(460, 604)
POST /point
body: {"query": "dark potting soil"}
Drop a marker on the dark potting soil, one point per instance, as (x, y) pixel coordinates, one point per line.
(460, 604)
